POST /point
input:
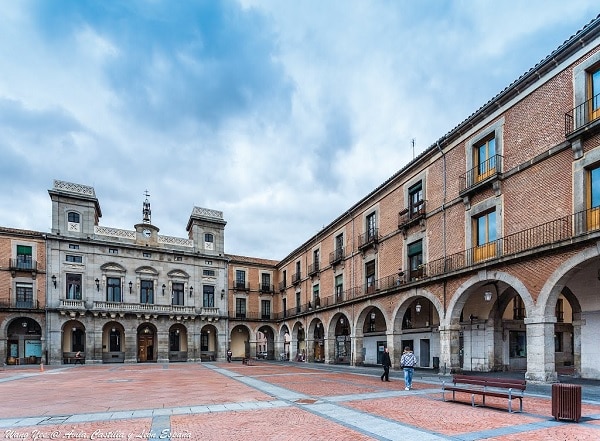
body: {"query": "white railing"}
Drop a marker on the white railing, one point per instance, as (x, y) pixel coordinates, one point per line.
(170, 240)
(114, 232)
(70, 303)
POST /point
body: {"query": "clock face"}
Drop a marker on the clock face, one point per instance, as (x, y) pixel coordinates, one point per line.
(146, 233)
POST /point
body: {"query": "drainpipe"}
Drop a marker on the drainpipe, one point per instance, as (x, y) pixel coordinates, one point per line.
(443, 213)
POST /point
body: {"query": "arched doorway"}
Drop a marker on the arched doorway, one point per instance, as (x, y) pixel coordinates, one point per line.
(73, 340)
(24, 341)
(318, 351)
(343, 341)
(178, 345)
(208, 343)
(146, 342)
(265, 343)
(300, 342)
(240, 342)
(113, 343)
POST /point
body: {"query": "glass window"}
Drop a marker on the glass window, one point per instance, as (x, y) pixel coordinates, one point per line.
(265, 282)
(113, 251)
(74, 286)
(240, 279)
(24, 295)
(208, 296)
(73, 246)
(73, 217)
(266, 309)
(316, 295)
(147, 291)
(177, 294)
(518, 308)
(240, 308)
(24, 257)
(594, 187)
(339, 286)
(113, 289)
(595, 91)
(370, 274)
(371, 226)
(208, 237)
(485, 228)
(415, 259)
(74, 259)
(486, 158)
(298, 301)
(208, 273)
(415, 195)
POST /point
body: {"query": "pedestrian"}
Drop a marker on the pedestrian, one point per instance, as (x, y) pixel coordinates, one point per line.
(408, 362)
(229, 354)
(386, 362)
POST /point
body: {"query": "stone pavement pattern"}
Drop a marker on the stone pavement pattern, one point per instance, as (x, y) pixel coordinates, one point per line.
(267, 401)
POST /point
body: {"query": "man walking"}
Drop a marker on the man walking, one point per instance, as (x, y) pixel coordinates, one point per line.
(408, 362)
(386, 362)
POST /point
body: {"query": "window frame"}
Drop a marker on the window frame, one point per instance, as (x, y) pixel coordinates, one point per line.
(76, 281)
(114, 291)
(147, 291)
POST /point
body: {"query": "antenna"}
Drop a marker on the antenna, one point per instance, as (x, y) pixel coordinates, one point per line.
(413, 147)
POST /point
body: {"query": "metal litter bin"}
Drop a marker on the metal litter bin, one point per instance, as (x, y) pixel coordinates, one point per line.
(566, 401)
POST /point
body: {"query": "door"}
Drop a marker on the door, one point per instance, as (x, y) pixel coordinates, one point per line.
(424, 352)
(380, 349)
(145, 348)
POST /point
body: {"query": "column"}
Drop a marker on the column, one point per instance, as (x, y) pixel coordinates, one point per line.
(449, 349)
(540, 350)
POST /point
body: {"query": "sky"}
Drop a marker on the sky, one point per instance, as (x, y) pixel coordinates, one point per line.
(281, 114)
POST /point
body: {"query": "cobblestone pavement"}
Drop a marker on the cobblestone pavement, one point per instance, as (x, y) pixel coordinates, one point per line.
(266, 401)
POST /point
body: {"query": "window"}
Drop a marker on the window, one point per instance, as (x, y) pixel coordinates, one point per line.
(370, 276)
(177, 294)
(113, 289)
(208, 262)
(517, 344)
(265, 306)
(265, 282)
(74, 259)
(316, 257)
(147, 254)
(113, 251)
(485, 235)
(24, 257)
(371, 227)
(296, 277)
(73, 246)
(209, 241)
(339, 287)
(298, 301)
(178, 258)
(415, 260)
(284, 306)
(284, 281)
(558, 342)
(316, 298)
(208, 273)
(24, 295)
(338, 249)
(560, 312)
(518, 308)
(485, 158)
(415, 200)
(240, 308)
(73, 221)
(147, 291)
(74, 286)
(204, 341)
(208, 296)
(240, 279)
(593, 202)
(595, 93)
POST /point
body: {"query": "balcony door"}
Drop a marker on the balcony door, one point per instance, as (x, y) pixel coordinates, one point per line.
(485, 236)
(595, 94)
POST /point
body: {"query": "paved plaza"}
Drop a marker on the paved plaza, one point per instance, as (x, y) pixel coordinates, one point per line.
(264, 401)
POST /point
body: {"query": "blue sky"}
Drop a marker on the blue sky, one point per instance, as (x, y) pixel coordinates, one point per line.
(281, 114)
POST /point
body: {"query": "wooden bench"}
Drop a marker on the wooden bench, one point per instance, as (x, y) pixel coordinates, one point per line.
(71, 358)
(486, 386)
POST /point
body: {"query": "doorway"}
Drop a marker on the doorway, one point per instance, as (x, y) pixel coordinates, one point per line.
(146, 346)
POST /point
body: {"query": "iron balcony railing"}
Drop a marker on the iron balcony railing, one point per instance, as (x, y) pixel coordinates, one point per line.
(20, 304)
(241, 286)
(254, 316)
(562, 229)
(483, 172)
(266, 287)
(411, 215)
(20, 264)
(582, 115)
(282, 285)
(336, 256)
(313, 268)
(369, 238)
(296, 278)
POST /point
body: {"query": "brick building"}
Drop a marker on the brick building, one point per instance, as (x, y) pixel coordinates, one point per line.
(482, 253)
(22, 296)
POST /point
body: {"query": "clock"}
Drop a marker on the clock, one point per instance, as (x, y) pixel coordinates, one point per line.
(146, 233)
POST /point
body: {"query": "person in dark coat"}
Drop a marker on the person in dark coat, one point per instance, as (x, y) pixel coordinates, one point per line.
(386, 362)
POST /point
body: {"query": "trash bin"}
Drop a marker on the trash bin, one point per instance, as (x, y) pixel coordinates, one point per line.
(566, 401)
(436, 362)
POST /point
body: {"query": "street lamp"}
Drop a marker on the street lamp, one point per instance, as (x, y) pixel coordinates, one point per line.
(418, 307)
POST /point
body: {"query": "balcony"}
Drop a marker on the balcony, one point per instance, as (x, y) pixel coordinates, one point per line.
(313, 268)
(410, 216)
(282, 285)
(266, 288)
(583, 119)
(336, 256)
(481, 176)
(368, 239)
(296, 278)
(241, 286)
(22, 265)
(138, 308)
(20, 304)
